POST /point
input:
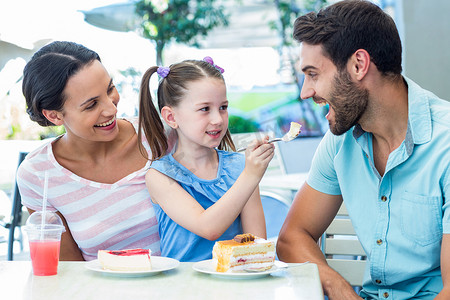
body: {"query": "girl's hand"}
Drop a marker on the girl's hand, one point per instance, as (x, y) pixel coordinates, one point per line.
(258, 156)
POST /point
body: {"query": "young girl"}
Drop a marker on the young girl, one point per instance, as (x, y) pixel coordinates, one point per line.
(201, 193)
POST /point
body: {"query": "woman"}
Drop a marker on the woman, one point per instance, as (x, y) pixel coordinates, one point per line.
(96, 170)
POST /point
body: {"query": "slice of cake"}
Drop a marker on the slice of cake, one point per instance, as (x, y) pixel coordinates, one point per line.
(245, 251)
(125, 260)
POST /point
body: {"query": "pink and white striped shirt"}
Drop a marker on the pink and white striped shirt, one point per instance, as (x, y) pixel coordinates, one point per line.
(100, 216)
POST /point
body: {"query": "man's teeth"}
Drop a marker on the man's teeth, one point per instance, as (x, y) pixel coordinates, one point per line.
(106, 123)
(322, 103)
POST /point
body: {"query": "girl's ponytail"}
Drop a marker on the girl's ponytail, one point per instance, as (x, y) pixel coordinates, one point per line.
(150, 121)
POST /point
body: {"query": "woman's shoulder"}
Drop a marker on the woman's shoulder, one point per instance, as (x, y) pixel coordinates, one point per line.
(32, 169)
(39, 156)
(130, 125)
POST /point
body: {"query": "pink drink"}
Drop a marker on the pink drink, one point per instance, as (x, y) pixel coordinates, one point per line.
(44, 257)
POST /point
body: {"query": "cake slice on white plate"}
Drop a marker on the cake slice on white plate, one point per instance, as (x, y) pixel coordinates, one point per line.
(244, 252)
(125, 260)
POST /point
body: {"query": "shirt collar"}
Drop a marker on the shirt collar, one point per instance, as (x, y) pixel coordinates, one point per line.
(419, 116)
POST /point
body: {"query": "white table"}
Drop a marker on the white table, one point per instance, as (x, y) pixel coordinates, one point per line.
(287, 182)
(75, 281)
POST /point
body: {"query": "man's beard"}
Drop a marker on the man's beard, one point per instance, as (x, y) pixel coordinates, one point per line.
(349, 103)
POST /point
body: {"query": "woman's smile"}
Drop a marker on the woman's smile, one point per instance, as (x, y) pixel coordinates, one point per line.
(107, 125)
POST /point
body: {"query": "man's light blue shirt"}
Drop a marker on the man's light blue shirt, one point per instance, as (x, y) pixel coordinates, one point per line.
(399, 217)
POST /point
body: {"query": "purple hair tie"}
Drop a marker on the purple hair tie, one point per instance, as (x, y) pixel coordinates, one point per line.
(163, 71)
(209, 60)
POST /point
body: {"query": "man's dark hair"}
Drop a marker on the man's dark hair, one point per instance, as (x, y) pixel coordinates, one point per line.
(347, 26)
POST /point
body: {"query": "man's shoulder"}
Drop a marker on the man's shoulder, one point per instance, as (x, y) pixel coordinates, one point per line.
(440, 111)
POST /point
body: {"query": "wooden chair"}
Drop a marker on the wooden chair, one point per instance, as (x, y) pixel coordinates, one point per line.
(343, 250)
(18, 216)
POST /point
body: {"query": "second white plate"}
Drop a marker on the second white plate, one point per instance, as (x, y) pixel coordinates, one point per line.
(208, 267)
(159, 264)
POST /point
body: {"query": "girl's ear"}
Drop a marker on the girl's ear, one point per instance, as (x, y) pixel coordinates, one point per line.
(53, 116)
(168, 115)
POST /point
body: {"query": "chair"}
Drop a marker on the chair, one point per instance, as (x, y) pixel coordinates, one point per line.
(296, 156)
(18, 216)
(343, 250)
(275, 208)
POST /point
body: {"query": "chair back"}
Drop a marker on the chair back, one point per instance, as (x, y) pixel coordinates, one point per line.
(18, 216)
(296, 156)
(276, 207)
(342, 249)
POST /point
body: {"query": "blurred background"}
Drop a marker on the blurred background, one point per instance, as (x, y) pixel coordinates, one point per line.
(250, 39)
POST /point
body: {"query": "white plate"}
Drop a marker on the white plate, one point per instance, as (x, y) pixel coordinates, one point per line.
(208, 267)
(159, 264)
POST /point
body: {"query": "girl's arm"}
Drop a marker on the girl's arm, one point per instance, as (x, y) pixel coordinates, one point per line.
(69, 249)
(211, 223)
(252, 216)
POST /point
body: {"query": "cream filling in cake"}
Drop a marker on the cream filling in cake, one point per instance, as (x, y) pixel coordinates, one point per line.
(294, 130)
(232, 256)
(125, 260)
(258, 262)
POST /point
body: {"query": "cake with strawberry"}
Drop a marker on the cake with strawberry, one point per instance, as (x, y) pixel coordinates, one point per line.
(244, 252)
(125, 260)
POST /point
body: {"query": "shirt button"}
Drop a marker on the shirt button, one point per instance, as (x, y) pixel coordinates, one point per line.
(379, 241)
(385, 294)
(383, 198)
(378, 281)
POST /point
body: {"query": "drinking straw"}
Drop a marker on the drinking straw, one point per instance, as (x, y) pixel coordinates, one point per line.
(44, 205)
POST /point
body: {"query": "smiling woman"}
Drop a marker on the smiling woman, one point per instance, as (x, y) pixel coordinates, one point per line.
(96, 171)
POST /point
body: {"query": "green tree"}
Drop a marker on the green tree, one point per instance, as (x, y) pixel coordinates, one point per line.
(183, 21)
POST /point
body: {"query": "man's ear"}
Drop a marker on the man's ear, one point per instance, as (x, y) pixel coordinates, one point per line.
(359, 64)
(168, 115)
(53, 116)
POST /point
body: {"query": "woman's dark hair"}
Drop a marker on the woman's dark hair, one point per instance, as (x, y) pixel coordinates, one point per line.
(347, 26)
(171, 90)
(46, 74)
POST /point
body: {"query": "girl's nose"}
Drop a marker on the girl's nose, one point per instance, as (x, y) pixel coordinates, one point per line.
(216, 117)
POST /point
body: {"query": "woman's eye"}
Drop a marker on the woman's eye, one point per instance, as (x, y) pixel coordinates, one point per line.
(111, 89)
(205, 108)
(92, 105)
(224, 107)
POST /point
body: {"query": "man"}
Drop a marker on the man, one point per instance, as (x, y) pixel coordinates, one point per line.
(387, 157)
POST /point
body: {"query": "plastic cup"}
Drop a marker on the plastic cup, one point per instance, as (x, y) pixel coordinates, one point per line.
(44, 237)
